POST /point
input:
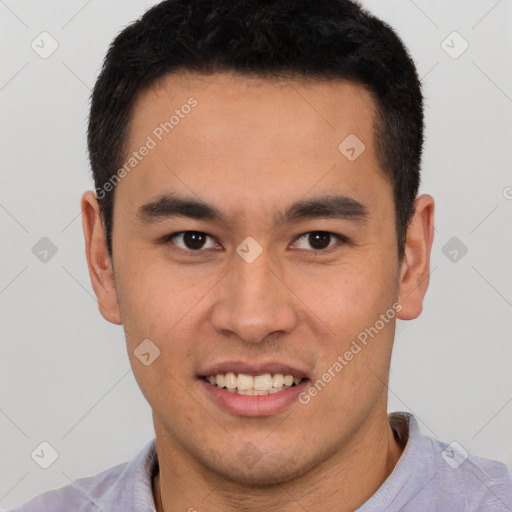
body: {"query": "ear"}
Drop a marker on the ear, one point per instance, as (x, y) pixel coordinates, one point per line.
(98, 259)
(415, 267)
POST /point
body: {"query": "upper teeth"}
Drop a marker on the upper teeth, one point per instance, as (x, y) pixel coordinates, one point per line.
(242, 381)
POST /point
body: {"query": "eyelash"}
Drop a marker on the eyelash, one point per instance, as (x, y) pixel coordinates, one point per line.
(341, 240)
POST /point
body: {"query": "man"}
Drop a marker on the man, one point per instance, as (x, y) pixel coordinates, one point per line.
(256, 229)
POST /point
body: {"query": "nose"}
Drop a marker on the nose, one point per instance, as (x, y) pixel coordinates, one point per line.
(254, 302)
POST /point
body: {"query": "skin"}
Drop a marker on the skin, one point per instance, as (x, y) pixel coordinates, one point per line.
(252, 147)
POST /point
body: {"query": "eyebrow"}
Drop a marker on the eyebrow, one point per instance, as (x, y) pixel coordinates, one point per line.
(321, 207)
(324, 207)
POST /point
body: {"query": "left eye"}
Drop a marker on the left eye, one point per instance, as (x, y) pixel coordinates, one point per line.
(318, 240)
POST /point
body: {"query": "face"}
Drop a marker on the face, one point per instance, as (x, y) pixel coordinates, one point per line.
(246, 240)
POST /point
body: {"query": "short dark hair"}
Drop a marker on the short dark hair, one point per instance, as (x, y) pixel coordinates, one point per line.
(311, 39)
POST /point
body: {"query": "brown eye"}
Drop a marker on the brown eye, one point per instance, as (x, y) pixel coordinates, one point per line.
(192, 240)
(317, 240)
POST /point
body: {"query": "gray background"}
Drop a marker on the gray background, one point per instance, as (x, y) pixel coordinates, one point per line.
(65, 375)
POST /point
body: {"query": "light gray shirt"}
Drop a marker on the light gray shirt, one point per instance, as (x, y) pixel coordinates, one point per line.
(430, 476)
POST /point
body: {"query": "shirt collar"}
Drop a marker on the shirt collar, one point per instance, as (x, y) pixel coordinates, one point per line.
(407, 470)
(133, 491)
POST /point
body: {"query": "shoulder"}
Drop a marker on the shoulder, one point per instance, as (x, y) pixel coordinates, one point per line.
(108, 491)
(448, 475)
(483, 484)
(435, 476)
(79, 495)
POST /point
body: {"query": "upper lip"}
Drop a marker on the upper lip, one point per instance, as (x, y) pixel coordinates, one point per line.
(252, 368)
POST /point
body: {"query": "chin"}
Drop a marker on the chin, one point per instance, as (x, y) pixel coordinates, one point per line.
(267, 472)
(262, 479)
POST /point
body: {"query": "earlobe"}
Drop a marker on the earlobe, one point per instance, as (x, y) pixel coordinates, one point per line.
(415, 269)
(98, 259)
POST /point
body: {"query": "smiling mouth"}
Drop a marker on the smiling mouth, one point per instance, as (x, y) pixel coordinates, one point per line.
(243, 384)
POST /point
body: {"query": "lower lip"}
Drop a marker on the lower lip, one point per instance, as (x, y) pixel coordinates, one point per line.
(253, 405)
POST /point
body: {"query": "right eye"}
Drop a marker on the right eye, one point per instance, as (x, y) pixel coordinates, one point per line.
(191, 241)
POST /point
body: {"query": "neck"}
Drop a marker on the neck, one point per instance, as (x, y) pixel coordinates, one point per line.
(156, 493)
(341, 483)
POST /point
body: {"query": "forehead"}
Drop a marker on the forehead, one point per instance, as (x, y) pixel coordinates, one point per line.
(231, 135)
(271, 107)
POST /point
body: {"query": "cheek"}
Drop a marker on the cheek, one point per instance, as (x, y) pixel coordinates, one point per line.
(152, 304)
(154, 297)
(350, 295)
(354, 359)
(349, 301)
(156, 308)
(167, 307)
